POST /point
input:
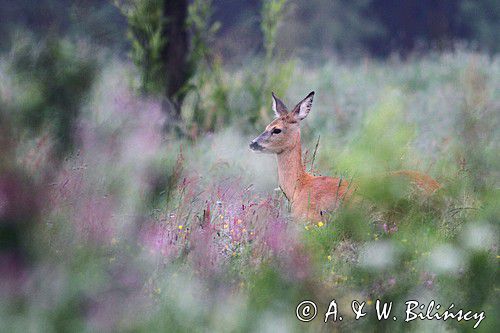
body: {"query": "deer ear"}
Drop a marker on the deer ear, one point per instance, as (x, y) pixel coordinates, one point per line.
(302, 109)
(279, 107)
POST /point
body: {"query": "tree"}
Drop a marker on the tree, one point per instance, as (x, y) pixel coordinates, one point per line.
(175, 50)
(160, 47)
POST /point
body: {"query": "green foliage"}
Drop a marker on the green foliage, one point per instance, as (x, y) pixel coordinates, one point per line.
(274, 73)
(382, 142)
(55, 76)
(203, 31)
(208, 103)
(208, 89)
(145, 22)
(272, 12)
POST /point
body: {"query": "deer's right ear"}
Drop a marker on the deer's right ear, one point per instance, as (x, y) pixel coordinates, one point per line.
(279, 107)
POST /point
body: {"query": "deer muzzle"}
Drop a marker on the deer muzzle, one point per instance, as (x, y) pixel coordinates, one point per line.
(254, 145)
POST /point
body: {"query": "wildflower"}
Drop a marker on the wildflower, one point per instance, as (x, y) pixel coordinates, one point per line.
(306, 227)
(180, 227)
(221, 216)
(429, 279)
(320, 224)
(239, 221)
(390, 229)
(226, 226)
(329, 258)
(244, 230)
(392, 281)
(369, 302)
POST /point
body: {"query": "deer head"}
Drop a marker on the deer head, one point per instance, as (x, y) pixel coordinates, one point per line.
(283, 133)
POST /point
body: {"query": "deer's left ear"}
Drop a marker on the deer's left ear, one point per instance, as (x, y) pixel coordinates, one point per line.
(302, 109)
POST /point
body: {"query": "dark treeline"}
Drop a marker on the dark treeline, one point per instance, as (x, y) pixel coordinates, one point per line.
(97, 20)
(375, 27)
(434, 24)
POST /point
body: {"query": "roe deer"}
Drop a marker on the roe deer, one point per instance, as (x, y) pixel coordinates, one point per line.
(309, 195)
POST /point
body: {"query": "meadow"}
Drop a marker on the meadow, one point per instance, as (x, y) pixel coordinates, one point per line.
(140, 229)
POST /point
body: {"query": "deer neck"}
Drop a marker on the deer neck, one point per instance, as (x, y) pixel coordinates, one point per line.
(290, 170)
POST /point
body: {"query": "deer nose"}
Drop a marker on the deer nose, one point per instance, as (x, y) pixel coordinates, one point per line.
(255, 146)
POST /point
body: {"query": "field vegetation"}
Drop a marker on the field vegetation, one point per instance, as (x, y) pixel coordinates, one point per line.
(116, 216)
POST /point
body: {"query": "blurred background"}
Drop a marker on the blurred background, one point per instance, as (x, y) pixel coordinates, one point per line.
(361, 27)
(129, 200)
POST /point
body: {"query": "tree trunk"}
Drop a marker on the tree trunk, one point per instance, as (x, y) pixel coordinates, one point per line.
(175, 53)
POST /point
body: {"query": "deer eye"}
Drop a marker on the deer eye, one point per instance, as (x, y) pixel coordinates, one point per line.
(276, 131)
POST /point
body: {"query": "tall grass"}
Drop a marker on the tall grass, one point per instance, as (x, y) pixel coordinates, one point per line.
(140, 231)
